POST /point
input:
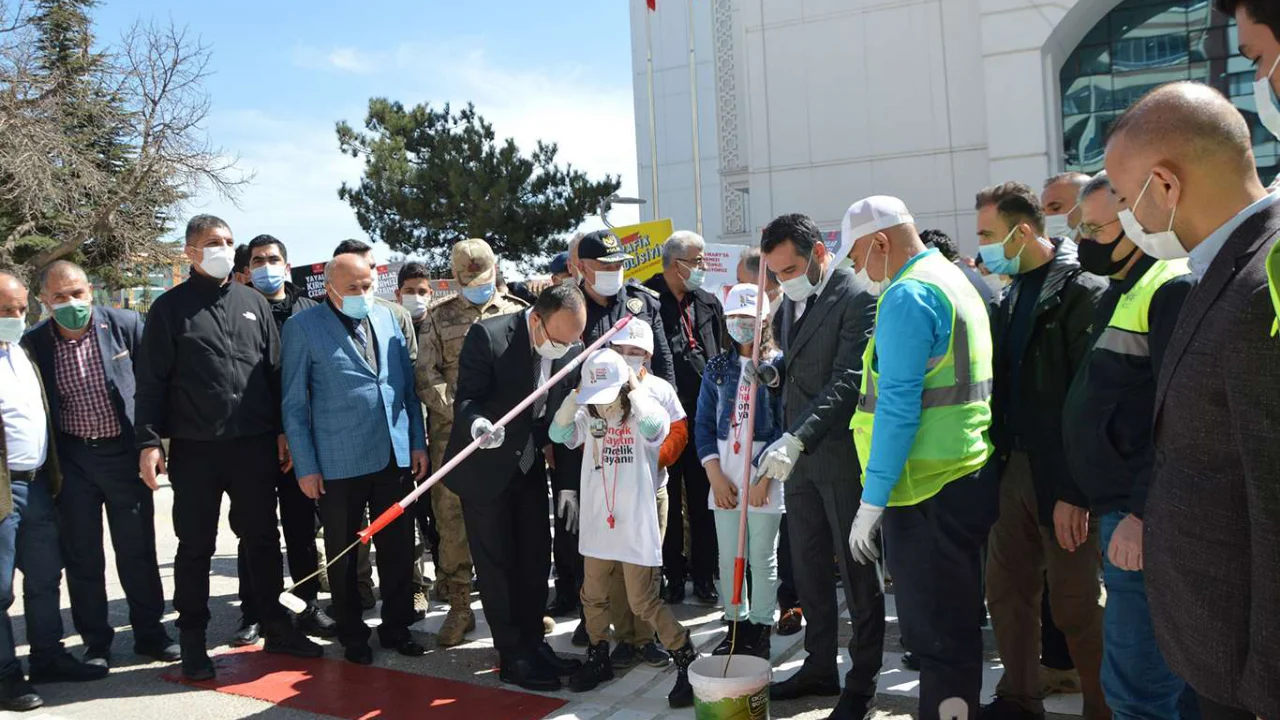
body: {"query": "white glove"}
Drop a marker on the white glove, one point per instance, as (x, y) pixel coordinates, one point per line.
(568, 410)
(482, 427)
(862, 537)
(567, 509)
(779, 458)
(764, 374)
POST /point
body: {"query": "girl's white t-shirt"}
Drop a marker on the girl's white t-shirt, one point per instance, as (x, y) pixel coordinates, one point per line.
(734, 455)
(666, 395)
(619, 480)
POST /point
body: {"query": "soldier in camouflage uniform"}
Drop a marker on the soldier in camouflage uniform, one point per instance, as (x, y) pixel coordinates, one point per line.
(440, 343)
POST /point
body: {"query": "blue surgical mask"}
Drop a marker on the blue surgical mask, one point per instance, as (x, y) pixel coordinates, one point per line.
(478, 295)
(268, 278)
(357, 307)
(993, 256)
(697, 276)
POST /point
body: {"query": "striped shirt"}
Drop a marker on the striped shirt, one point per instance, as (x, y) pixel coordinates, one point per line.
(83, 399)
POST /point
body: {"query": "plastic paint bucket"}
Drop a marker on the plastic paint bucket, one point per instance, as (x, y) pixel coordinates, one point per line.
(741, 694)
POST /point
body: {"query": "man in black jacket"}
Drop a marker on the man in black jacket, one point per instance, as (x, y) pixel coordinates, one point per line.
(208, 378)
(693, 321)
(503, 484)
(1107, 429)
(1041, 334)
(268, 273)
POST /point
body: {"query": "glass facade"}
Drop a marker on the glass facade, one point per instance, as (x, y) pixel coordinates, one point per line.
(1139, 45)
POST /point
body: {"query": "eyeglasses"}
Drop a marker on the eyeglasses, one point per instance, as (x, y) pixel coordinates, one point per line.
(1091, 231)
(698, 262)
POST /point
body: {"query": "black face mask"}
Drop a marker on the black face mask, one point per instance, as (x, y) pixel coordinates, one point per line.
(1096, 257)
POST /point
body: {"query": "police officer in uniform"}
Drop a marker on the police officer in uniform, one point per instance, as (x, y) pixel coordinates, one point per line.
(440, 342)
(599, 268)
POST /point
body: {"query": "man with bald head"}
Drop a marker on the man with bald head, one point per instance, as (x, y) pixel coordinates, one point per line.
(85, 354)
(1182, 166)
(921, 433)
(355, 430)
(208, 378)
(30, 479)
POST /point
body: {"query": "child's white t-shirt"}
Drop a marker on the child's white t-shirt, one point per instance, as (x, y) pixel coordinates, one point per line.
(666, 395)
(619, 481)
(734, 455)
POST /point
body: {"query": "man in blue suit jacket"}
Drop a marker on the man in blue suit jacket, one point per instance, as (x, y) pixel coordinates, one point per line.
(85, 355)
(354, 425)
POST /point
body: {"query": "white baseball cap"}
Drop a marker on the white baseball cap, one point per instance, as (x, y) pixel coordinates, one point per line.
(636, 334)
(871, 215)
(741, 300)
(603, 375)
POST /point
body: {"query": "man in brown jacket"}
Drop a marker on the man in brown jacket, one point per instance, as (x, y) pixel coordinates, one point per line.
(436, 371)
(29, 480)
(1182, 165)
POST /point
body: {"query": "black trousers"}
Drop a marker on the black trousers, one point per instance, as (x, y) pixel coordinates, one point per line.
(94, 478)
(425, 519)
(819, 519)
(787, 597)
(510, 541)
(343, 510)
(1214, 710)
(934, 553)
(200, 472)
(687, 472)
(298, 523)
(564, 545)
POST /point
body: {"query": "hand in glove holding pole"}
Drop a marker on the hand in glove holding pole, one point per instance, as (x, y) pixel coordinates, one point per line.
(567, 509)
(489, 437)
(779, 459)
(862, 537)
(765, 373)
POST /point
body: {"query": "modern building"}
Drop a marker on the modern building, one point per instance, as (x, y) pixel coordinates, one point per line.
(808, 105)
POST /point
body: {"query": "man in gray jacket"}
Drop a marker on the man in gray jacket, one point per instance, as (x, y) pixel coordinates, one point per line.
(822, 328)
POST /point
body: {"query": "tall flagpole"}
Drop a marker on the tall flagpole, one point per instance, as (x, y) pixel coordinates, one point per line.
(693, 109)
(653, 122)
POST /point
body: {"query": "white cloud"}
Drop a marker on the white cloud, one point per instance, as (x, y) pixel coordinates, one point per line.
(298, 168)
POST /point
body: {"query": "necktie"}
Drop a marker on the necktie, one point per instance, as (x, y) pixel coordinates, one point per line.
(539, 408)
(361, 337)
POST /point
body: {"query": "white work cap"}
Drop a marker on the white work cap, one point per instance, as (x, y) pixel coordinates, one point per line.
(603, 375)
(871, 215)
(741, 300)
(636, 334)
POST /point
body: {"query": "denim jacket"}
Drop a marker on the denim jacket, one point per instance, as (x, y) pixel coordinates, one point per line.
(715, 406)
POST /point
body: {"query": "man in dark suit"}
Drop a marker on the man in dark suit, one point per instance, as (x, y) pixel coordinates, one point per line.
(503, 485)
(29, 481)
(1181, 160)
(85, 355)
(822, 328)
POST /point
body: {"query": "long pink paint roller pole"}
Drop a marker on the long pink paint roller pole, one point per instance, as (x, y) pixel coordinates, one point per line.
(296, 604)
(740, 562)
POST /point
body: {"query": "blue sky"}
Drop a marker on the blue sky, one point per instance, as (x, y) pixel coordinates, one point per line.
(284, 71)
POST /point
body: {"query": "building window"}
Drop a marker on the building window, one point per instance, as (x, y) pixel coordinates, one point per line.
(1139, 45)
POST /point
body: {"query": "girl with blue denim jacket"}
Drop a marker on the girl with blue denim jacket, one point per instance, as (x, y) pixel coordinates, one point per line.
(720, 438)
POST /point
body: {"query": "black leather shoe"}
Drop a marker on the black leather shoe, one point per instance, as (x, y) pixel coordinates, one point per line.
(853, 707)
(564, 606)
(1002, 709)
(407, 647)
(163, 650)
(803, 685)
(196, 664)
(287, 640)
(360, 654)
(97, 656)
(562, 667)
(910, 661)
(580, 637)
(247, 634)
(65, 668)
(528, 675)
(316, 623)
(16, 694)
(789, 623)
(705, 592)
(675, 593)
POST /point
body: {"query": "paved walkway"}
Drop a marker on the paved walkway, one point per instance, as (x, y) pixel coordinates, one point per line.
(135, 688)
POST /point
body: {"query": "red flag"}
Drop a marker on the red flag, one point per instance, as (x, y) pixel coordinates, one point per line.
(653, 4)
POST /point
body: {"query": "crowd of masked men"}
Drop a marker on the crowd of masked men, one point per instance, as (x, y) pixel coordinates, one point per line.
(1079, 407)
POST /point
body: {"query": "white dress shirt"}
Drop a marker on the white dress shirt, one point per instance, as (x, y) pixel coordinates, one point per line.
(544, 367)
(26, 429)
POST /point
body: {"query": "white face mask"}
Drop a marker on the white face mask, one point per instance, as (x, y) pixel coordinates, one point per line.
(799, 287)
(1058, 225)
(607, 283)
(548, 348)
(1159, 245)
(415, 304)
(1264, 97)
(635, 362)
(216, 261)
(874, 287)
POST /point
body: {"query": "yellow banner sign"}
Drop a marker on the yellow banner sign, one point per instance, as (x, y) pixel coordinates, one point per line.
(643, 242)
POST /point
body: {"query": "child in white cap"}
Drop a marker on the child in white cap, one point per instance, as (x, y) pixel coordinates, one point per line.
(621, 429)
(720, 437)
